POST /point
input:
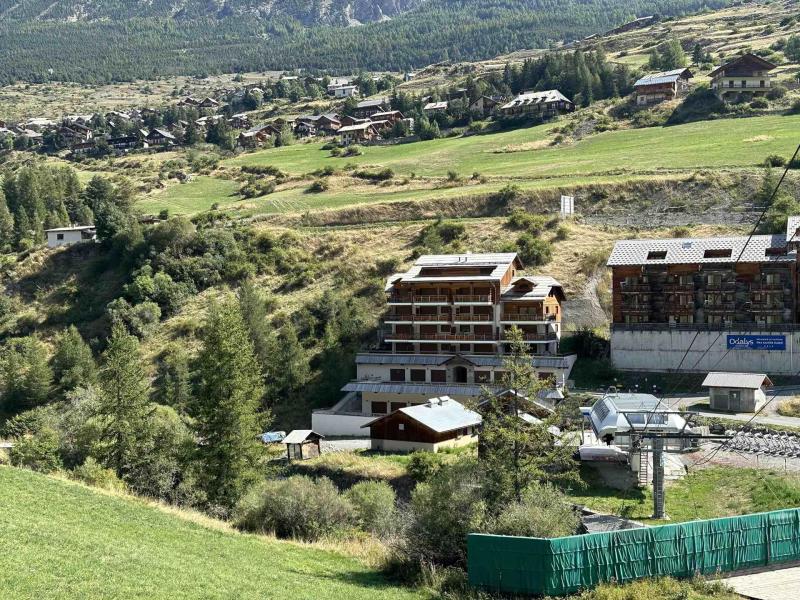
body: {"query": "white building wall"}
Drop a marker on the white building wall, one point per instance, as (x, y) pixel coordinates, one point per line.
(330, 424)
(663, 351)
(69, 237)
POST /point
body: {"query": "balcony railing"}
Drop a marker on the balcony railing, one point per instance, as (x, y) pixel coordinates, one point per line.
(526, 317)
(433, 298)
(766, 287)
(721, 285)
(532, 337)
(439, 317)
(679, 288)
(720, 307)
(447, 337)
(628, 288)
(462, 298)
(400, 299)
(471, 318)
(636, 309)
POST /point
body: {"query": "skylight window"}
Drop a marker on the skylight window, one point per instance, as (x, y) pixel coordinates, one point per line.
(718, 253)
(657, 255)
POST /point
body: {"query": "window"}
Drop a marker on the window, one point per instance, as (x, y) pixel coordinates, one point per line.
(59, 236)
(483, 376)
(397, 374)
(397, 405)
(379, 408)
(762, 83)
(401, 427)
(417, 374)
(731, 84)
(657, 255)
(717, 253)
(744, 83)
(438, 376)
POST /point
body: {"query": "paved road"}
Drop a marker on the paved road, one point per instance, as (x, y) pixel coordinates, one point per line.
(767, 417)
(781, 584)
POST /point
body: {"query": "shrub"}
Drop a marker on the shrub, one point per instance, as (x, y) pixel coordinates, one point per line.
(94, 474)
(774, 160)
(423, 465)
(795, 108)
(374, 506)
(759, 103)
(298, 507)
(680, 231)
(452, 176)
(38, 452)
(318, 186)
(533, 251)
(542, 512)
(352, 151)
(521, 219)
(562, 233)
(382, 175)
(789, 408)
(776, 92)
(592, 261)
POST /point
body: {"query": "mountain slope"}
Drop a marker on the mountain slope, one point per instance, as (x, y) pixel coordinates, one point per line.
(63, 540)
(93, 41)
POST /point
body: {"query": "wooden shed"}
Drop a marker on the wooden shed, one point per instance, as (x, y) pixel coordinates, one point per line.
(736, 392)
(440, 422)
(302, 444)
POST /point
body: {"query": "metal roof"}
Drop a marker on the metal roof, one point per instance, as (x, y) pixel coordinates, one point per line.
(435, 106)
(298, 436)
(663, 77)
(75, 228)
(553, 362)
(357, 127)
(542, 286)
(751, 381)
(500, 261)
(692, 250)
(429, 389)
(371, 103)
(440, 414)
(527, 98)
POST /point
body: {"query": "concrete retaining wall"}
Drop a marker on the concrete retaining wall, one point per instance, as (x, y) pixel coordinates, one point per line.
(663, 351)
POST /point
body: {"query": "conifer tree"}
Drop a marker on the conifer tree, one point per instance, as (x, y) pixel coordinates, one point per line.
(124, 408)
(6, 225)
(226, 408)
(73, 363)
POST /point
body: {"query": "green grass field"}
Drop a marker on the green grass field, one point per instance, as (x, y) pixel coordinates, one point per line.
(521, 156)
(704, 494)
(63, 540)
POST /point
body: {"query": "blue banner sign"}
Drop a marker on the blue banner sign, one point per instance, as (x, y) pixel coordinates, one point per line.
(756, 342)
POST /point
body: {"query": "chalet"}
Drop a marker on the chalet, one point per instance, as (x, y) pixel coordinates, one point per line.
(367, 108)
(392, 116)
(209, 103)
(747, 76)
(78, 119)
(124, 142)
(160, 137)
(39, 124)
(335, 82)
(66, 236)
(544, 104)
(328, 124)
(74, 134)
(353, 134)
(484, 105)
(349, 120)
(659, 87)
(82, 148)
(432, 108)
(254, 137)
(189, 101)
(439, 423)
(240, 121)
(343, 91)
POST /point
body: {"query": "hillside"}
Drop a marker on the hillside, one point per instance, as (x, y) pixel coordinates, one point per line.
(64, 540)
(62, 40)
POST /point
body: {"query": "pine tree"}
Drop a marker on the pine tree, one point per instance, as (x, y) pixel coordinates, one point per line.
(173, 383)
(697, 54)
(290, 368)
(73, 363)
(6, 225)
(515, 453)
(226, 407)
(124, 408)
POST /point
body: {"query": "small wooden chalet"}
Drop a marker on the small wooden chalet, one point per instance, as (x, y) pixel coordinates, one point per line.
(393, 116)
(124, 142)
(367, 108)
(160, 137)
(256, 136)
(432, 108)
(354, 134)
(439, 423)
(748, 75)
(659, 87)
(484, 106)
(302, 444)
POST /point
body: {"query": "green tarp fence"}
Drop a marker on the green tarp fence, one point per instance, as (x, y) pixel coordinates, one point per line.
(564, 565)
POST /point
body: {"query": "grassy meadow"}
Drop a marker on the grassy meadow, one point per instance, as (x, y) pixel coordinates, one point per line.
(479, 165)
(64, 540)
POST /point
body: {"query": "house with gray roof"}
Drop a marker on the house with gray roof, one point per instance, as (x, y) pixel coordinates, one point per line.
(659, 87)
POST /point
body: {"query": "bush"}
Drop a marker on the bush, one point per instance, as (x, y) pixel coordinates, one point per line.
(680, 231)
(38, 452)
(374, 506)
(521, 219)
(543, 512)
(94, 474)
(774, 160)
(562, 233)
(795, 108)
(533, 251)
(776, 92)
(759, 103)
(352, 151)
(317, 187)
(298, 507)
(423, 465)
(382, 175)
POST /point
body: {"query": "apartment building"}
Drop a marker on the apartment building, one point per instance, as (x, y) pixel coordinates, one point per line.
(445, 333)
(701, 304)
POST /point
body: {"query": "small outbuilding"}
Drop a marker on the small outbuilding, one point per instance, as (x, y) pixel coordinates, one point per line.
(302, 444)
(439, 423)
(66, 236)
(736, 392)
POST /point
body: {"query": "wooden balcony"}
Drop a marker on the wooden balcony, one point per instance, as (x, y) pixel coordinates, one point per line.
(438, 299)
(442, 337)
(720, 307)
(532, 337)
(721, 285)
(472, 318)
(635, 288)
(767, 287)
(679, 288)
(636, 309)
(472, 299)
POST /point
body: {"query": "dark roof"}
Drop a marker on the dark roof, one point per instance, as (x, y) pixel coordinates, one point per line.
(748, 59)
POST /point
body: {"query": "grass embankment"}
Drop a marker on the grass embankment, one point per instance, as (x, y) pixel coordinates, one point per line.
(64, 540)
(704, 494)
(523, 157)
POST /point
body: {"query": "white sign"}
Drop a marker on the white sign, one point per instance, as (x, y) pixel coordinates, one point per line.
(567, 205)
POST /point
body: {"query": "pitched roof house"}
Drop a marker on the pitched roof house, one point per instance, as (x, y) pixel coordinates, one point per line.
(747, 75)
(542, 104)
(658, 87)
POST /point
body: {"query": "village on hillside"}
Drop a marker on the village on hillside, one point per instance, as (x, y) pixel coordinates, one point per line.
(521, 327)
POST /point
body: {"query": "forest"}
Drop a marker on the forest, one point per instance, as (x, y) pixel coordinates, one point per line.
(134, 46)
